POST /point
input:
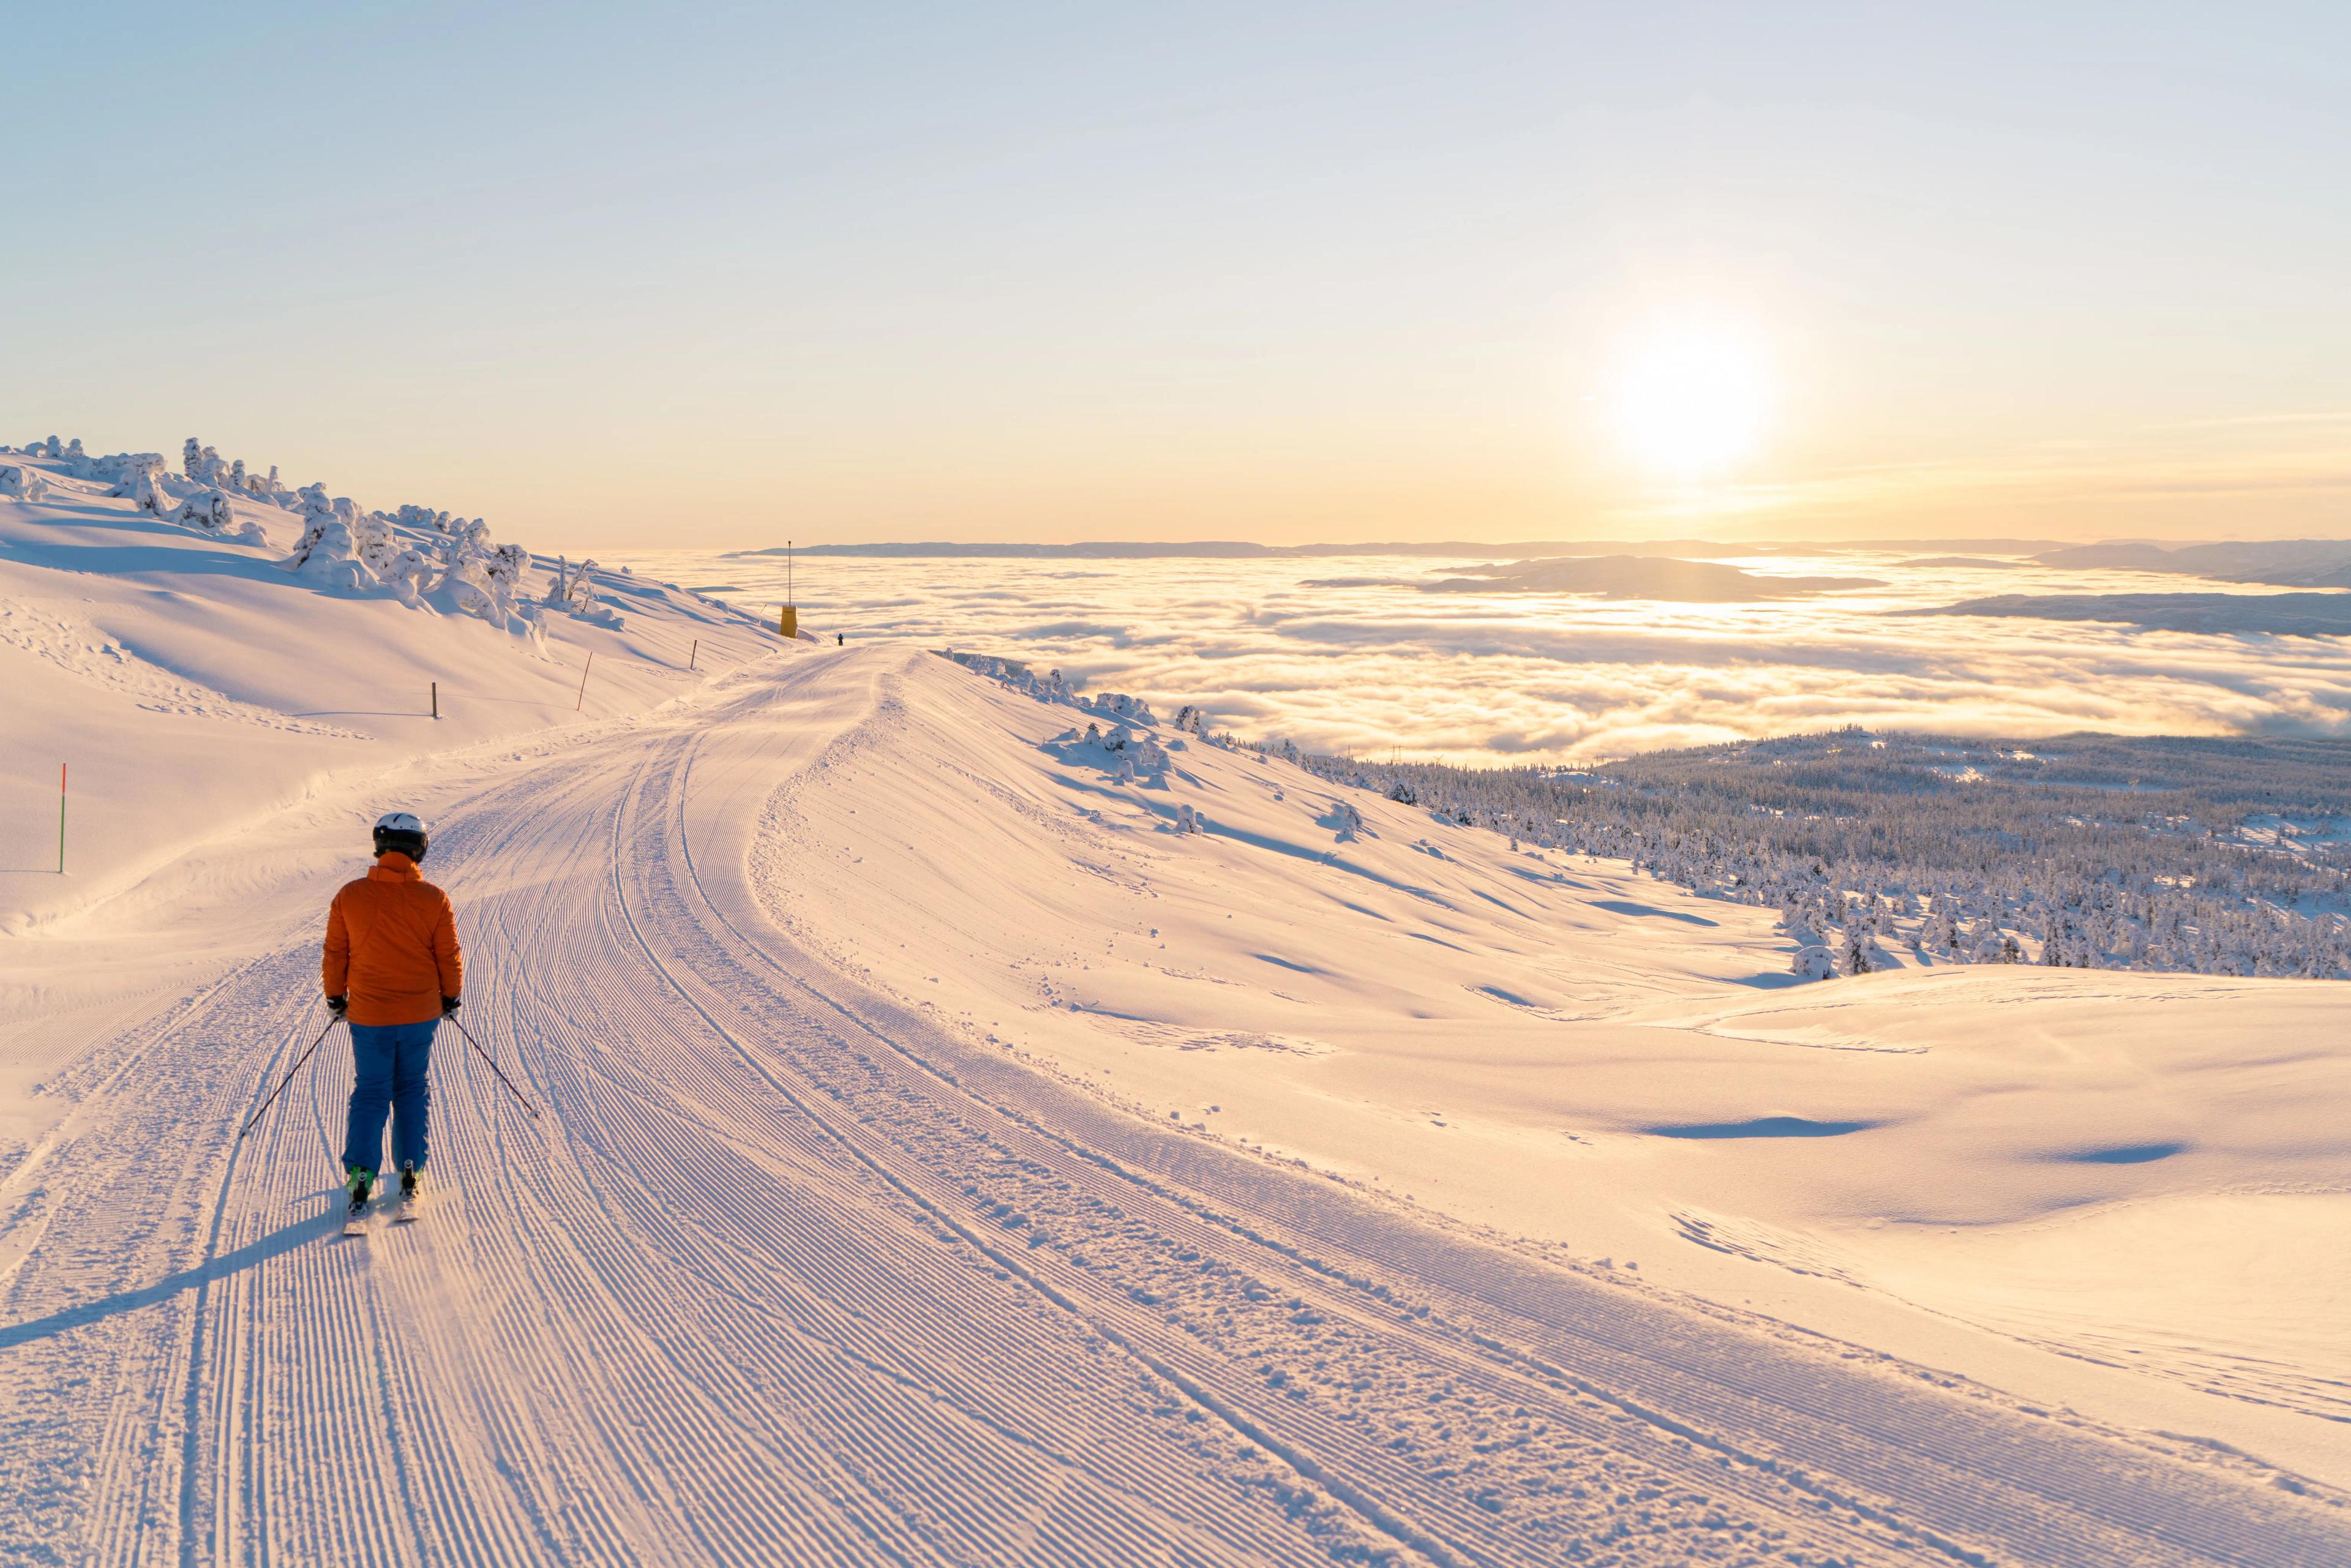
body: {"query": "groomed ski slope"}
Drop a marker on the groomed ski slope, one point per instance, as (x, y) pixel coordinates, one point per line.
(800, 1267)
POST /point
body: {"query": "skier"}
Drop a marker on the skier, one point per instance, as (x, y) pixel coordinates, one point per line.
(392, 970)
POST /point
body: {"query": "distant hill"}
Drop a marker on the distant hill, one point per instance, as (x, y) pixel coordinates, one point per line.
(2293, 563)
(2287, 614)
(1643, 577)
(1471, 550)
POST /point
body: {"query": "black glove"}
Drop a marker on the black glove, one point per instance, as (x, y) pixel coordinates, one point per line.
(337, 1005)
(448, 1005)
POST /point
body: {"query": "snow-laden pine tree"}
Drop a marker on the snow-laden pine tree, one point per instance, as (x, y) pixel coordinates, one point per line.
(330, 553)
(375, 542)
(208, 511)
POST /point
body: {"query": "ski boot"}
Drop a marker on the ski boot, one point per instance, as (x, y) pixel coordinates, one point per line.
(359, 1184)
(405, 1210)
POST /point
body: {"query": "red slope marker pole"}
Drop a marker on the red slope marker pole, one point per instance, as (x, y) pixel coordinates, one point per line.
(583, 680)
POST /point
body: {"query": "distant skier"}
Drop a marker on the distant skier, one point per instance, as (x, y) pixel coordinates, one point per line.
(393, 971)
(841, 639)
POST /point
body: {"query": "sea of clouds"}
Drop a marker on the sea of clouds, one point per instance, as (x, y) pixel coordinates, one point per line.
(1353, 655)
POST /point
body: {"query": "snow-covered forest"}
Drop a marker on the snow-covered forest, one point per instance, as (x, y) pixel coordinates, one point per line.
(426, 557)
(2207, 856)
(2210, 856)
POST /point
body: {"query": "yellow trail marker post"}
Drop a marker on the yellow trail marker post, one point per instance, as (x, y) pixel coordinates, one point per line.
(788, 615)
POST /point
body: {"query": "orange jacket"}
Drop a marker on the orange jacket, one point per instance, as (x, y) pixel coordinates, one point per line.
(391, 944)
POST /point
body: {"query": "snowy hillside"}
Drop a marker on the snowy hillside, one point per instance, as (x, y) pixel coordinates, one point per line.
(202, 650)
(1555, 1046)
(984, 1123)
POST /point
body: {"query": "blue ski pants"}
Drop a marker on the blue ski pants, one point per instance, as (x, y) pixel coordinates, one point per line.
(390, 1062)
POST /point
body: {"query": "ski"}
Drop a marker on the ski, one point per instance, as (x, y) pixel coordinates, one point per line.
(354, 1219)
(403, 1208)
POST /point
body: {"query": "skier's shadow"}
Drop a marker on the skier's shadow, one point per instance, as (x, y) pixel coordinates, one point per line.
(282, 1241)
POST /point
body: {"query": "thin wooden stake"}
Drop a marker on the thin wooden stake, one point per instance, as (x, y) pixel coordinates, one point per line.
(61, 819)
(583, 680)
(436, 699)
(693, 652)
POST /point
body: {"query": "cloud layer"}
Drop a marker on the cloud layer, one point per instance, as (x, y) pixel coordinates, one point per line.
(1372, 663)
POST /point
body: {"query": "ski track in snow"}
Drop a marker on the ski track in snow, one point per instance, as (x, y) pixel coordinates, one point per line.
(788, 1273)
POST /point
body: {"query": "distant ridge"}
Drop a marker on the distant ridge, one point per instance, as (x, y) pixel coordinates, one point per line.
(1516, 550)
(2290, 563)
(2280, 614)
(1623, 576)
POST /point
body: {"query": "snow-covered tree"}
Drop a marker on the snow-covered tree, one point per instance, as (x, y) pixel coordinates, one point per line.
(317, 512)
(570, 588)
(149, 493)
(139, 476)
(375, 542)
(503, 566)
(330, 550)
(23, 482)
(208, 511)
(406, 573)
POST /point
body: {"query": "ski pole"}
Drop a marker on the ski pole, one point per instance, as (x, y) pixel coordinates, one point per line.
(274, 1093)
(494, 1067)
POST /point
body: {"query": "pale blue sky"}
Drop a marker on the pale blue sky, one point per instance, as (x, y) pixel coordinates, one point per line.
(714, 274)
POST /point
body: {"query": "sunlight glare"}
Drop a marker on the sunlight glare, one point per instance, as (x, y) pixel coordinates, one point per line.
(1692, 400)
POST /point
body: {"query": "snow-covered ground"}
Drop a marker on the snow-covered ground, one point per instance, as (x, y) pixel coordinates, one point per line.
(947, 1159)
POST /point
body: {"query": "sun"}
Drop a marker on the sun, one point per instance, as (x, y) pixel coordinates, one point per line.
(1692, 401)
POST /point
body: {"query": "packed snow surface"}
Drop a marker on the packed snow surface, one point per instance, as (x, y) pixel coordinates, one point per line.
(982, 1126)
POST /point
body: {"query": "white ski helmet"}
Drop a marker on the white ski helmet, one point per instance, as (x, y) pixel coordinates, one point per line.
(403, 832)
